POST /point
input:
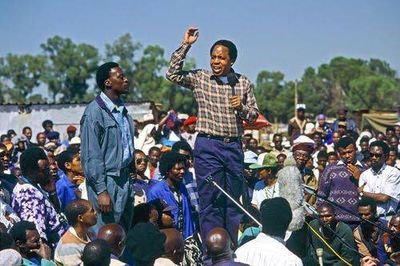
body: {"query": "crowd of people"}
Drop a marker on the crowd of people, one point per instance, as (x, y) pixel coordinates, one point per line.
(119, 192)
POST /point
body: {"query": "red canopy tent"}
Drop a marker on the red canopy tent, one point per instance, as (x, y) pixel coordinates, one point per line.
(261, 122)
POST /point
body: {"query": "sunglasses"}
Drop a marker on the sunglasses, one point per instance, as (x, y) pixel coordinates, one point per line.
(139, 161)
(377, 155)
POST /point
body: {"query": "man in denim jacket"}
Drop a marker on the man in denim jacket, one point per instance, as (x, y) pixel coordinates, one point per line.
(107, 148)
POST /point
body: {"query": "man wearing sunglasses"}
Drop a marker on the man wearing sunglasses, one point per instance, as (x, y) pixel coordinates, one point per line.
(381, 182)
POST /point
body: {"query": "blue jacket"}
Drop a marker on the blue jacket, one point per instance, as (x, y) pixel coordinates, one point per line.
(101, 144)
(160, 190)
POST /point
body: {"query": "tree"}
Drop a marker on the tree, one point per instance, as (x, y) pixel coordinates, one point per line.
(69, 69)
(20, 74)
(123, 52)
(270, 86)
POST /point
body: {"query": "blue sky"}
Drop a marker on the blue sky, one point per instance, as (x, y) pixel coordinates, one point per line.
(271, 35)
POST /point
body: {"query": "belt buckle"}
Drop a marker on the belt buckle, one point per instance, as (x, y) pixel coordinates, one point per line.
(227, 139)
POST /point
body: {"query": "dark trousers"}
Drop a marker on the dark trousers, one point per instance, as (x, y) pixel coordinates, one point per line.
(223, 161)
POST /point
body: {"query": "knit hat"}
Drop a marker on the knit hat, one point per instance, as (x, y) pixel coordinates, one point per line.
(53, 135)
(71, 129)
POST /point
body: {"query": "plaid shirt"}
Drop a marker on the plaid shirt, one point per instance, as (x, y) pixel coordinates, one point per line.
(215, 115)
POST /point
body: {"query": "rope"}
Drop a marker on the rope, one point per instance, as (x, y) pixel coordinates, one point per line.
(327, 244)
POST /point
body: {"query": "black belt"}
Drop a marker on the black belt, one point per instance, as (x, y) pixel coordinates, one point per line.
(220, 138)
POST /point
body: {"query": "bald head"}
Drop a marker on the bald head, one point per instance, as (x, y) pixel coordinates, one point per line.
(114, 234)
(218, 244)
(173, 245)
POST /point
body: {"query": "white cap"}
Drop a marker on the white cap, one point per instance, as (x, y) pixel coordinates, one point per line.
(300, 106)
(75, 140)
(250, 157)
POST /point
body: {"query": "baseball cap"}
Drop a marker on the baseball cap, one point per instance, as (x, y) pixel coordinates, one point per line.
(269, 161)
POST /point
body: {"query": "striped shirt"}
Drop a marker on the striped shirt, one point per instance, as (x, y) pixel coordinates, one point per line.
(215, 114)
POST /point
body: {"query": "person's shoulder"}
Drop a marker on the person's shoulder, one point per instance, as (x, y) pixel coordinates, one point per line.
(259, 185)
(344, 228)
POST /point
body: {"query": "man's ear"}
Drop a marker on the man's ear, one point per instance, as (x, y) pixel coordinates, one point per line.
(107, 83)
(67, 165)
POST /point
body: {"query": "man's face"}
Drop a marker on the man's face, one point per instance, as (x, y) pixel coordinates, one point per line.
(336, 137)
(332, 159)
(394, 225)
(265, 174)
(342, 116)
(326, 216)
(392, 157)
(117, 81)
(32, 242)
(397, 131)
(321, 162)
(41, 139)
(28, 133)
(177, 172)
(90, 216)
(321, 122)
(348, 154)
(366, 213)
(154, 157)
(377, 157)
(220, 61)
(301, 113)
(5, 159)
(277, 142)
(393, 143)
(317, 139)
(301, 157)
(281, 161)
(141, 163)
(364, 146)
(253, 143)
(75, 165)
(191, 128)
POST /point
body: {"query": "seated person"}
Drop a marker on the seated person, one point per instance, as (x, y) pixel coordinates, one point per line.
(29, 244)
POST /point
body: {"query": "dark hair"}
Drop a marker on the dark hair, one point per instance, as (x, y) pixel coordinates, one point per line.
(6, 241)
(327, 206)
(97, 253)
(168, 161)
(11, 132)
(18, 231)
(154, 148)
(47, 122)
(390, 128)
(25, 129)
(344, 142)
(364, 139)
(182, 145)
(276, 216)
(332, 153)
(254, 212)
(364, 202)
(228, 44)
(382, 144)
(29, 160)
(141, 214)
(2, 137)
(103, 73)
(322, 154)
(65, 157)
(74, 209)
(276, 135)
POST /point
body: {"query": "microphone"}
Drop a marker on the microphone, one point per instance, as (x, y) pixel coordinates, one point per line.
(320, 252)
(232, 80)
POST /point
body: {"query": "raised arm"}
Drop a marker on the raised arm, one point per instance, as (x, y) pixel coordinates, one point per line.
(175, 73)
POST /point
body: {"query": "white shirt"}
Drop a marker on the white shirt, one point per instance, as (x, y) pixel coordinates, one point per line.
(266, 250)
(385, 181)
(262, 192)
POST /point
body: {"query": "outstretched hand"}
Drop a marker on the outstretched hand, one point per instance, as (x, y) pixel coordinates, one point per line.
(191, 35)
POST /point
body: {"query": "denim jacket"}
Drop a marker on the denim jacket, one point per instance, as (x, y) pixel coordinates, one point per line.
(101, 144)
